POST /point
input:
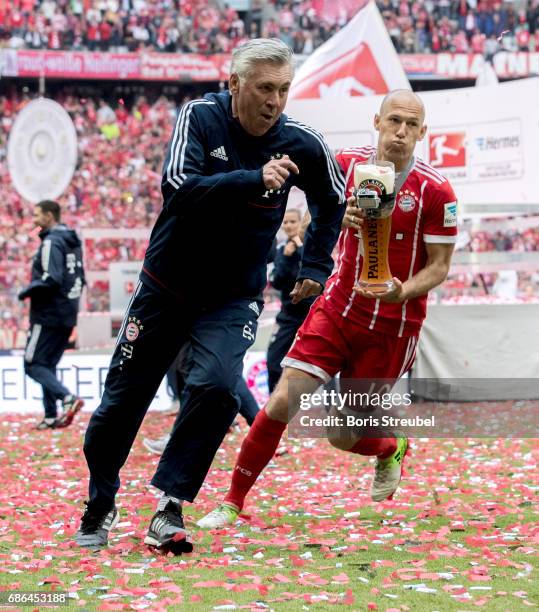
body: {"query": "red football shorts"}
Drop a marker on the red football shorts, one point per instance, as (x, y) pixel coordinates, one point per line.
(327, 343)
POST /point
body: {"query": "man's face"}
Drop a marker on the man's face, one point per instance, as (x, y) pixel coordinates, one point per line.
(291, 224)
(400, 126)
(260, 98)
(42, 219)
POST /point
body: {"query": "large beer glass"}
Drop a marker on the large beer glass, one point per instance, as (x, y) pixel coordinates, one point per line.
(374, 190)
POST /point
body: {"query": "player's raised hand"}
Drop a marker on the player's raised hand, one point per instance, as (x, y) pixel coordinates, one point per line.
(353, 217)
(305, 288)
(276, 171)
(297, 241)
(290, 248)
(395, 295)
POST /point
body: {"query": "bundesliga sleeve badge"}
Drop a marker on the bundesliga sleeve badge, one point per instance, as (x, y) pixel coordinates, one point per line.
(450, 214)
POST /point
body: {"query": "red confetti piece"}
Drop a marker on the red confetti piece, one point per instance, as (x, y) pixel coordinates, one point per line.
(341, 578)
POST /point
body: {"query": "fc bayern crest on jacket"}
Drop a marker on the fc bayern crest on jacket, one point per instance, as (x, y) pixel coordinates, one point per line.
(133, 329)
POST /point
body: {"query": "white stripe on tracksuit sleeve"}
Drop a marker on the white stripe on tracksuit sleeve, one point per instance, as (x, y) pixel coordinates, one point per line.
(184, 184)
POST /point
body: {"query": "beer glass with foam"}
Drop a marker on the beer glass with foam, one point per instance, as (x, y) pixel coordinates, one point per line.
(374, 190)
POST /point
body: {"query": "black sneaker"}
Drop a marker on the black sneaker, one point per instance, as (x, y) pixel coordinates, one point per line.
(167, 531)
(47, 423)
(95, 526)
(71, 405)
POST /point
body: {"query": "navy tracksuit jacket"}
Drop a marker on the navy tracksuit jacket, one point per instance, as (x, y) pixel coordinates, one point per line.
(201, 281)
(54, 292)
(290, 317)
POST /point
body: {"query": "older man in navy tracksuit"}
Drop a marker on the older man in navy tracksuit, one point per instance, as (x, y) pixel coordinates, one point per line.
(232, 160)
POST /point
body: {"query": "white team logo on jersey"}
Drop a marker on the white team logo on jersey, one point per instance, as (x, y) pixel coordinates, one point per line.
(406, 201)
(220, 153)
(248, 333)
(71, 263)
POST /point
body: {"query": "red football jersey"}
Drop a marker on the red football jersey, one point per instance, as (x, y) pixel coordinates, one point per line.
(425, 212)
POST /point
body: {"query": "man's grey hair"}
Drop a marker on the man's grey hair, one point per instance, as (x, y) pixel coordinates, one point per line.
(247, 56)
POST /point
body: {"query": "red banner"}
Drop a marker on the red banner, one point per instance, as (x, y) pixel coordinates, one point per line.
(418, 64)
(195, 67)
(131, 66)
(70, 64)
(187, 67)
(469, 66)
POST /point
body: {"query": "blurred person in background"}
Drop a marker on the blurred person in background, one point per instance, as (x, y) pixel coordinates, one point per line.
(54, 292)
(286, 264)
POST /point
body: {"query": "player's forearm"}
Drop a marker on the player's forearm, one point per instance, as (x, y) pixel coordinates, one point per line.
(320, 239)
(426, 279)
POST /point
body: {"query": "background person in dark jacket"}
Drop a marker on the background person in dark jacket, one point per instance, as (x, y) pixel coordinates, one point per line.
(54, 292)
(287, 262)
(232, 161)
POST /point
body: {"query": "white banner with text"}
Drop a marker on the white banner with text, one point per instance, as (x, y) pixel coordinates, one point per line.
(85, 376)
(485, 140)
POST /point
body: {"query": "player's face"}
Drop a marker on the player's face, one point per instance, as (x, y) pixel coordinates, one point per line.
(42, 219)
(259, 99)
(400, 126)
(291, 224)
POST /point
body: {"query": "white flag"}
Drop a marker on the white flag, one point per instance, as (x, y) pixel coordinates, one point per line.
(358, 60)
(486, 75)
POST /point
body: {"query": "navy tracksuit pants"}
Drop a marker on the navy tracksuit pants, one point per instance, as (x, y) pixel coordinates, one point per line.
(280, 343)
(179, 371)
(248, 405)
(154, 329)
(44, 349)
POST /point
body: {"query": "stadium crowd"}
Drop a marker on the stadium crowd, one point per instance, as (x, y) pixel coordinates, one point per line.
(508, 240)
(462, 26)
(100, 253)
(119, 186)
(188, 26)
(205, 26)
(113, 186)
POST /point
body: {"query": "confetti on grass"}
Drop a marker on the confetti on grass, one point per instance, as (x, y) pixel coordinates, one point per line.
(462, 532)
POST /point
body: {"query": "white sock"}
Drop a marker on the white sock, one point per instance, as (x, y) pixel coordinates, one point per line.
(165, 499)
(49, 420)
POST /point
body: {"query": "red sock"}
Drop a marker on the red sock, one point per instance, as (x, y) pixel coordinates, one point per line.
(256, 452)
(381, 447)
